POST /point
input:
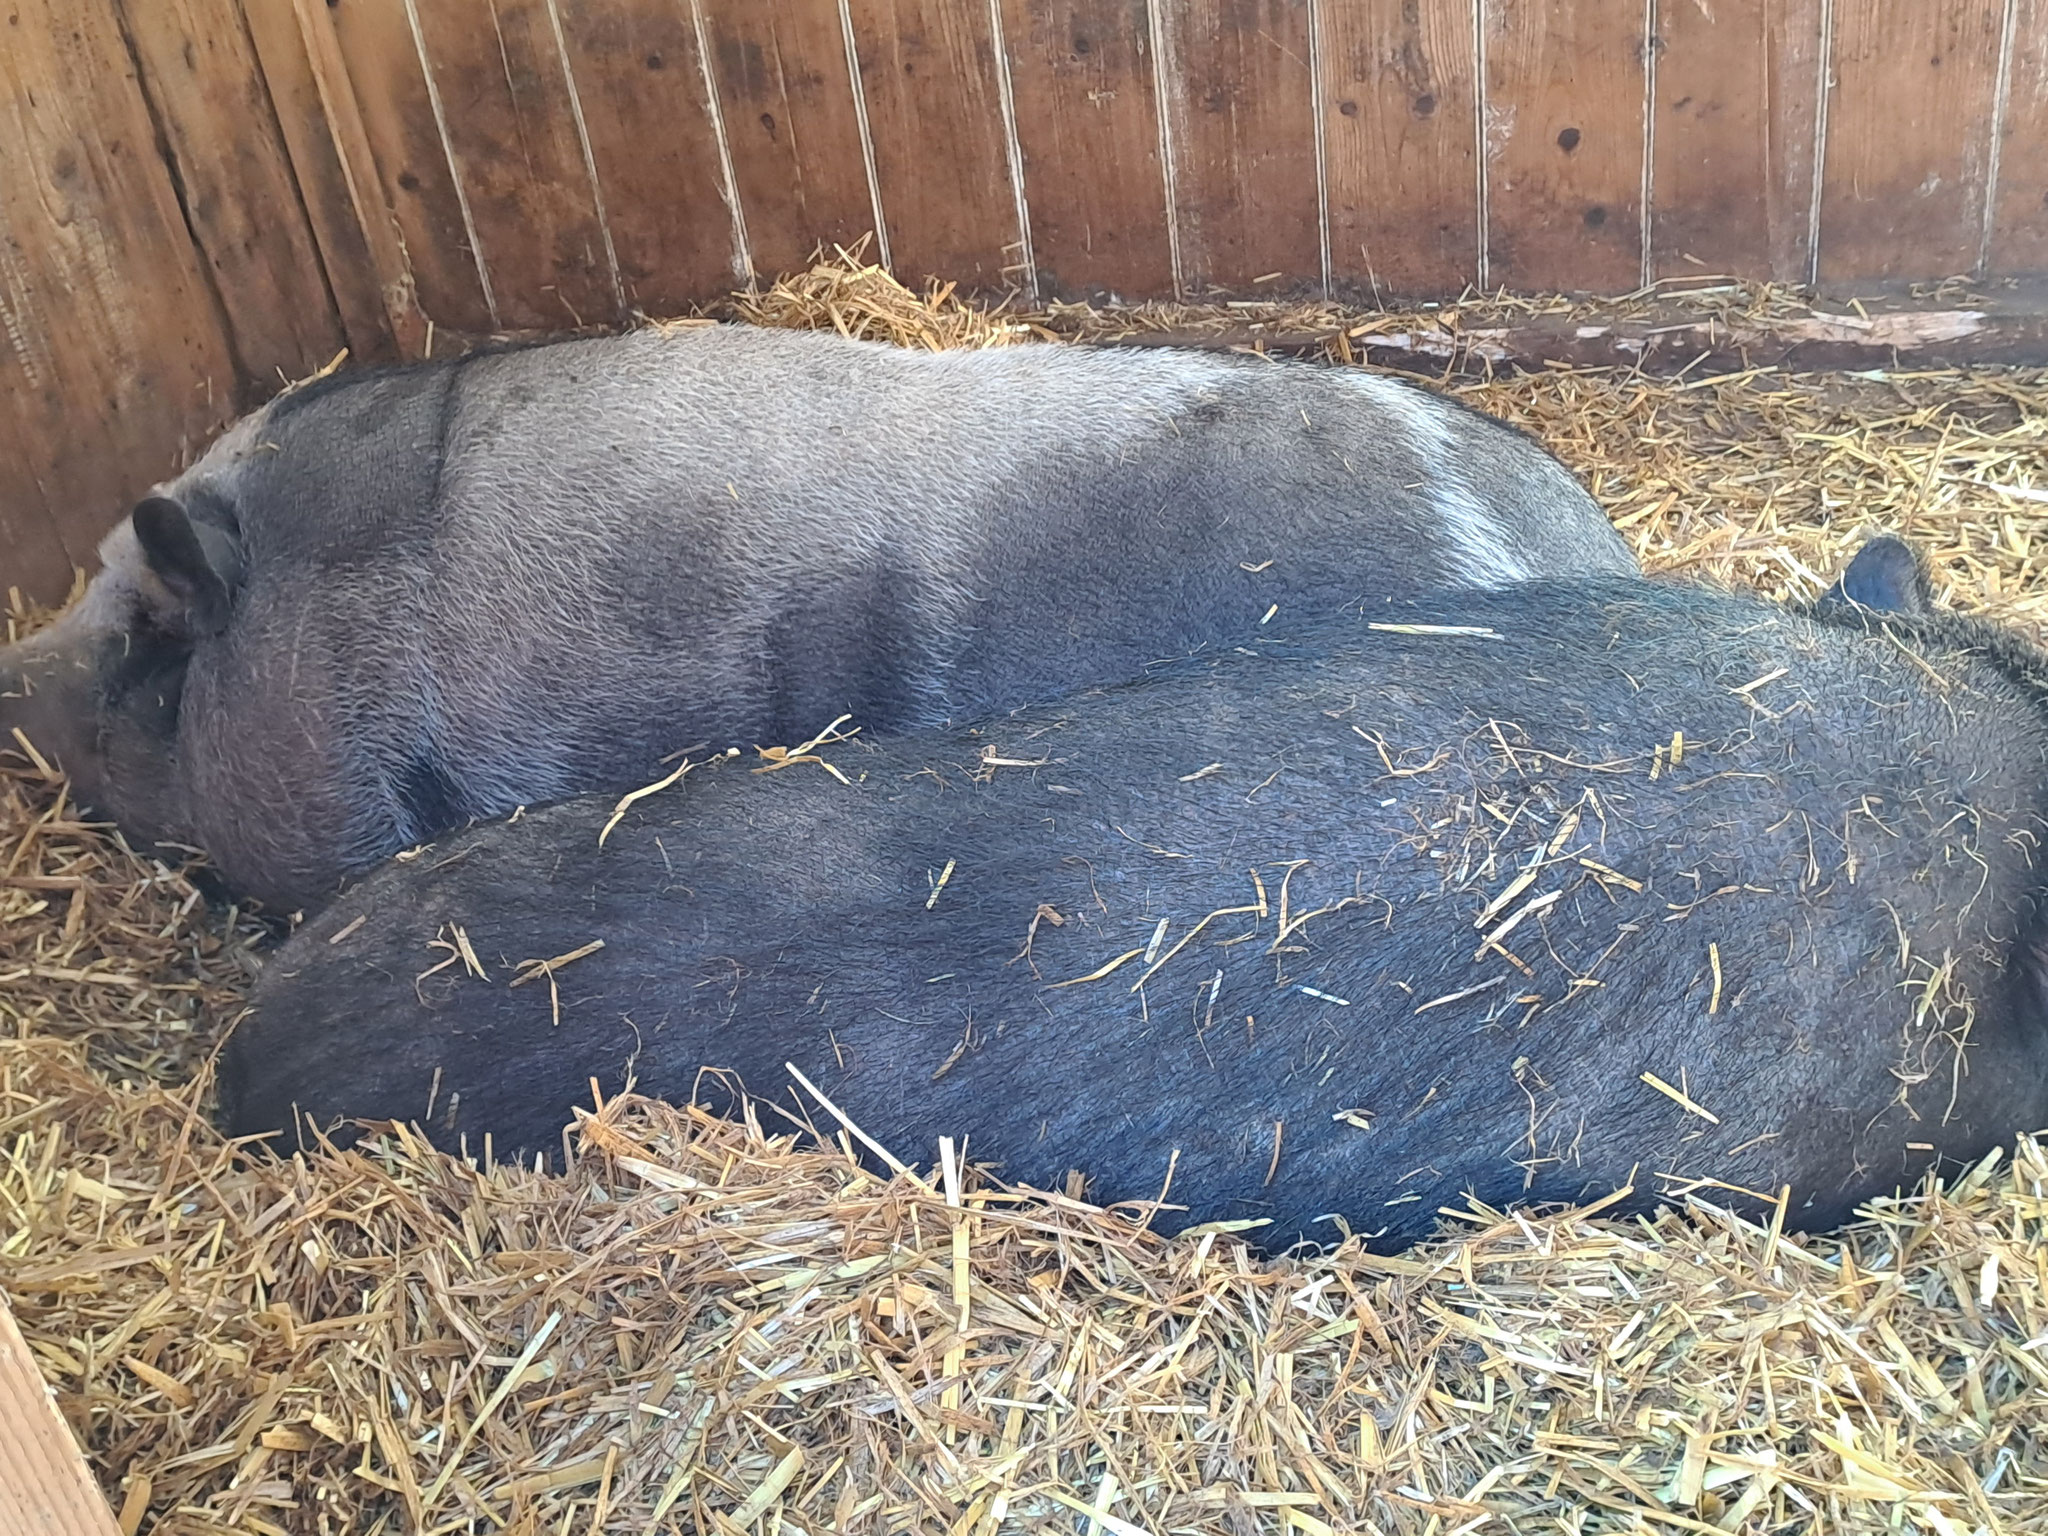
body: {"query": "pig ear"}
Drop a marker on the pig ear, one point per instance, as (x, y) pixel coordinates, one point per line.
(1886, 575)
(200, 565)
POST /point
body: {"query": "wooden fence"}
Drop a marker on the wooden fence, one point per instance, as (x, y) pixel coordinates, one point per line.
(199, 197)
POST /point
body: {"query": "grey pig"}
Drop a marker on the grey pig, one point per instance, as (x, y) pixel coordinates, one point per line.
(1546, 894)
(393, 602)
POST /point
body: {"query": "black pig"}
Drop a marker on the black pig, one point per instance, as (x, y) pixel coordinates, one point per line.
(389, 603)
(1550, 891)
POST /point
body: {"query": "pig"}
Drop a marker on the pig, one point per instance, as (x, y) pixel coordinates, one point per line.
(390, 603)
(1580, 890)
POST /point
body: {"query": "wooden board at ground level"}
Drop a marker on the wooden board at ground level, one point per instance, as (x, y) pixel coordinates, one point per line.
(1732, 188)
(933, 91)
(647, 108)
(1239, 83)
(1563, 82)
(1088, 129)
(114, 363)
(1402, 146)
(236, 186)
(1908, 138)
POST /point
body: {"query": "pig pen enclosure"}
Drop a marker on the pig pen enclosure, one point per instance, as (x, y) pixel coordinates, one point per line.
(701, 1327)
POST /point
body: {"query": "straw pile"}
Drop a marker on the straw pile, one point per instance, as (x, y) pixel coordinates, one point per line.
(700, 1328)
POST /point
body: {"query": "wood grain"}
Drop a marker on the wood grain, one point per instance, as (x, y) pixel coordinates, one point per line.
(928, 72)
(1402, 141)
(1737, 90)
(1909, 138)
(2019, 230)
(330, 162)
(509, 111)
(236, 185)
(790, 127)
(1664, 338)
(45, 1487)
(114, 364)
(640, 80)
(33, 559)
(1564, 144)
(382, 66)
(1241, 110)
(1088, 125)
(1667, 339)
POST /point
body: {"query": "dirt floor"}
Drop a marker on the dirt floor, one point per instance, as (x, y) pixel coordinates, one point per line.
(702, 1329)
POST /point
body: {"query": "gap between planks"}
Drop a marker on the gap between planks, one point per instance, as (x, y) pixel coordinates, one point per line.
(2001, 107)
(476, 250)
(604, 223)
(1164, 78)
(728, 180)
(1013, 148)
(867, 134)
(1823, 83)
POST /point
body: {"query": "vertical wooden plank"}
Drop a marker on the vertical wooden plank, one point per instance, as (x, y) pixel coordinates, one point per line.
(1241, 109)
(1088, 128)
(372, 288)
(1909, 138)
(928, 72)
(1736, 101)
(235, 178)
(510, 115)
(113, 357)
(46, 1488)
(647, 106)
(33, 559)
(791, 127)
(1564, 144)
(2019, 230)
(1402, 137)
(382, 65)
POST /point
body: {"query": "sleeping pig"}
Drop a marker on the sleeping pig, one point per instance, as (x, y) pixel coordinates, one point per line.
(1531, 895)
(391, 602)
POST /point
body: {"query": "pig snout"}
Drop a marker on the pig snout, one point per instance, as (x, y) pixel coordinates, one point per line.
(44, 712)
(102, 712)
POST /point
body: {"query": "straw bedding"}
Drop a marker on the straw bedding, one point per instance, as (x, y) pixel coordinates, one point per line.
(701, 1328)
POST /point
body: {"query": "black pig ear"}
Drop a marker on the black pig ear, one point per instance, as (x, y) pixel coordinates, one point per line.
(1886, 575)
(199, 564)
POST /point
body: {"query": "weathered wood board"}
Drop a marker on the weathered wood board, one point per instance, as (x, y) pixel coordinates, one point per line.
(1401, 128)
(1732, 133)
(1239, 87)
(1910, 127)
(45, 1487)
(1565, 87)
(202, 198)
(1087, 106)
(115, 359)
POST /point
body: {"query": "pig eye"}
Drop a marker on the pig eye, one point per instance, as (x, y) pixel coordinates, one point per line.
(145, 682)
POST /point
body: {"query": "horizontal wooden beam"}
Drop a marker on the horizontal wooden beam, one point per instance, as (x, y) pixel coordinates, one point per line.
(1657, 344)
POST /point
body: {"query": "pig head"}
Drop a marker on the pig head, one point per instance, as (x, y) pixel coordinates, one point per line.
(97, 692)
